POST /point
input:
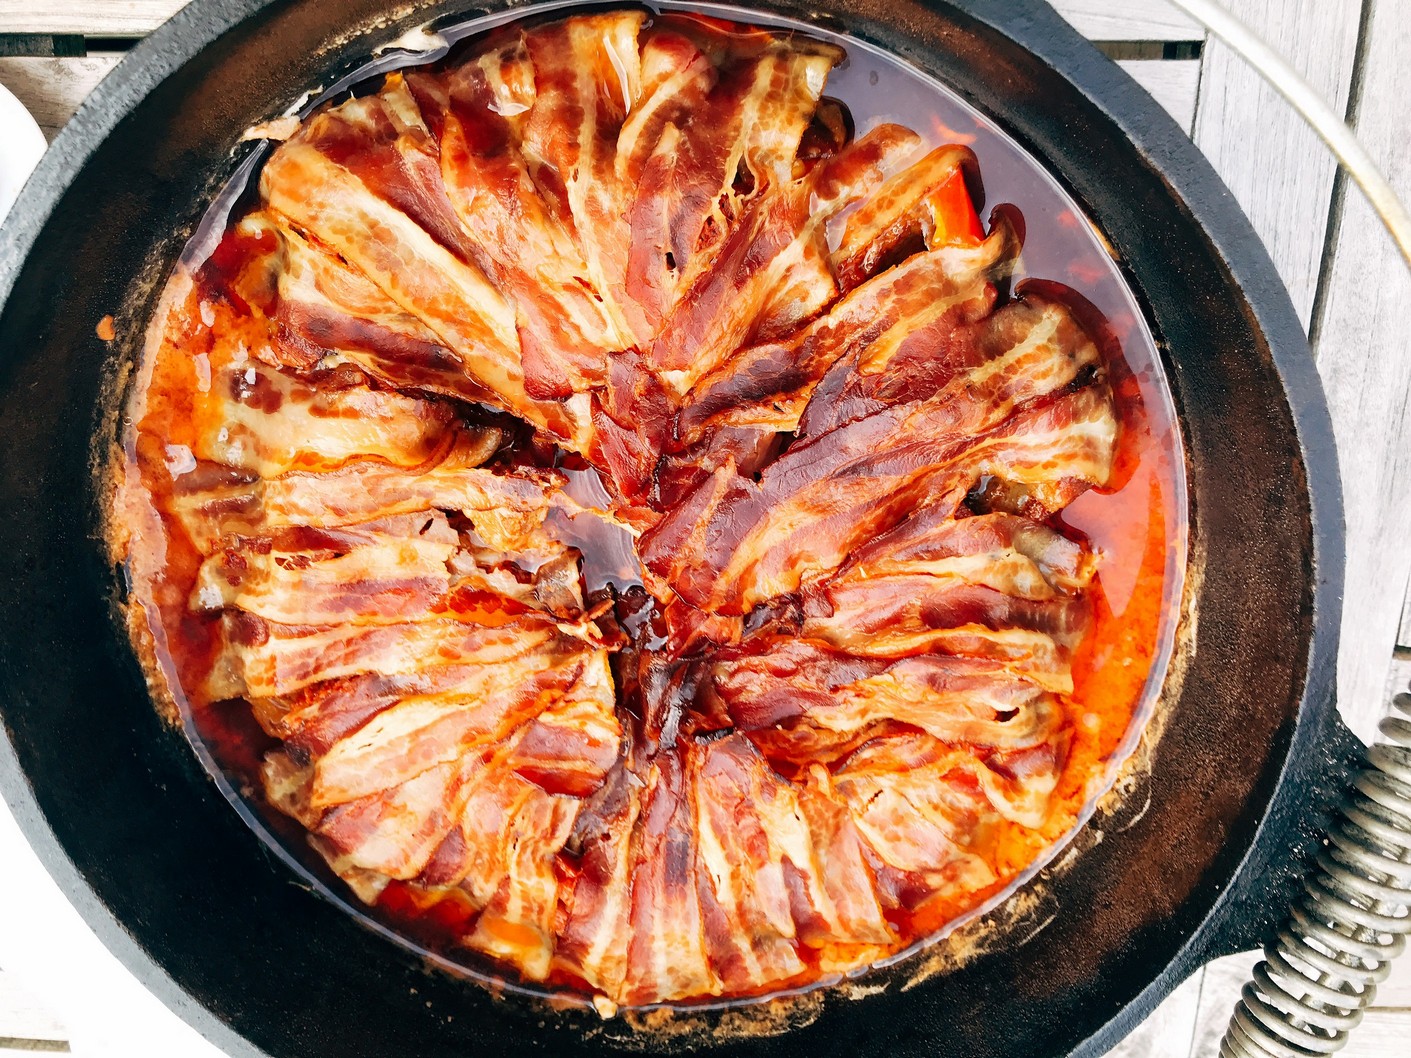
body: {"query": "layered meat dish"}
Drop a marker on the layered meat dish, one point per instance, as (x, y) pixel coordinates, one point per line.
(613, 505)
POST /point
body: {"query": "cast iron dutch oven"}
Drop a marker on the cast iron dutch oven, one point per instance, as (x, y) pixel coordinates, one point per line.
(170, 877)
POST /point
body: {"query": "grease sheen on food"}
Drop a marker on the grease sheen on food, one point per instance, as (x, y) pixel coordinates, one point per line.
(613, 510)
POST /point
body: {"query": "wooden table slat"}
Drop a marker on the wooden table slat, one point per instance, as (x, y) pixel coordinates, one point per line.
(1274, 164)
(52, 89)
(1362, 357)
(1129, 20)
(23, 1016)
(110, 18)
(1172, 82)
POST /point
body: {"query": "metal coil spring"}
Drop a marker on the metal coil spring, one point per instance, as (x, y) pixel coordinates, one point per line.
(1352, 920)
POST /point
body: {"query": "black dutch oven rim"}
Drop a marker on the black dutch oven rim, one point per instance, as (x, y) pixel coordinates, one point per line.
(1161, 145)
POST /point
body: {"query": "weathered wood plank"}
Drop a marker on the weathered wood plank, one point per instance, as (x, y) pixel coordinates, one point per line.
(1172, 83)
(1277, 168)
(1167, 1032)
(1220, 990)
(1129, 20)
(23, 1016)
(109, 18)
(1382, 1034)
(1367, 374)
(1097, 19)
(1395, 992)
(29, 1048)
(52, 89)
(1403, 638)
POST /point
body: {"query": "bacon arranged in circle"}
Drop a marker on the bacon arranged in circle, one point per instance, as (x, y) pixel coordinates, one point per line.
(627, 499)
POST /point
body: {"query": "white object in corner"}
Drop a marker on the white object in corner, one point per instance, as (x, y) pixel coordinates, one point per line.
(23, 147)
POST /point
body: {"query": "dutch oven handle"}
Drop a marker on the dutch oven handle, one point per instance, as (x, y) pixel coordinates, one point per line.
(1322, 966)
(1349, 921)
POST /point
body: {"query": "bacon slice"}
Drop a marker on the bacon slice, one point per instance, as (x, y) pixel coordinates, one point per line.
(667, 957)
(268, 422)
(572, 743)
(733, 135)
(749, 926)
(905, 316)
(588, 78)
(367, 574)
(326, 311)
(564, 332)
(593, 943)
(762, 259)
(735, 543)
(921, 811)
(313, 720)
(395, 831)
(265, 660)
(517, 923)
(449, 294)
(918, 204)
(507, 509)
(425, 730)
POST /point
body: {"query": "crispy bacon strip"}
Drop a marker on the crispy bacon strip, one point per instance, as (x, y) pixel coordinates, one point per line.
(395, 831)
(421, 731)
(749, 925)
(269, 422)
(265, 660)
